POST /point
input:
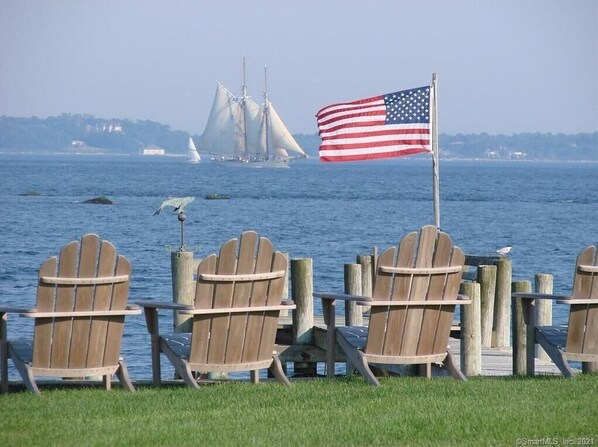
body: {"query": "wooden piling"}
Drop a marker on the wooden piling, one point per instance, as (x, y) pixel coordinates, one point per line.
(523, 316)
(501, 332)
(3, 352)
(353, 315)
(543, 284)
(302, 289)
(471, 339)
(367, 277)
(285, 290)
(486, 277)
(183, 287)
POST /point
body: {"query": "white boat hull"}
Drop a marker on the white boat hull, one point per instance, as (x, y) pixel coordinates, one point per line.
(254, 164)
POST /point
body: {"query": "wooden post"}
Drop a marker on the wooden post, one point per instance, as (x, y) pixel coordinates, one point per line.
(3, 352)
(367, 277)
(487, 280)
(302, 289)
(544, 282)
(285, 291)
(523, 315)
(183, 287)
(353, 315)
(502, 305)
(471, 339)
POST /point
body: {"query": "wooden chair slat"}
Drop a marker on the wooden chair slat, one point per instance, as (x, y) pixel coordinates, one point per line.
(119, 293)
(83, 281)
(42, 331)
(204, 299)
(242, 277)
(432, 316)
(223, 297)
(243, 293)
(419, 288)
(447, 312)
(255, 323)
(379, 316)
(590, 343)
(274, 297)
(65, 296)
(84, 300)
(588, 268)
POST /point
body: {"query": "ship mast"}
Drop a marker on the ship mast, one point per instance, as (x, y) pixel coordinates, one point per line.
(244, 111)
(266, 113)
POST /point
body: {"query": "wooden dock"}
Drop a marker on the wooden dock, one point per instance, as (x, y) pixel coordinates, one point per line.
(494, 362)
(499, 361)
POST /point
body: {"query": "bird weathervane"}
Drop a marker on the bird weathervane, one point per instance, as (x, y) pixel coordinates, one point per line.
(178, 204)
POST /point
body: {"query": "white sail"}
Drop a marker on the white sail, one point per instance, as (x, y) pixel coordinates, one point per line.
(238, 129)
(282, 140)
(255, 136)
(192, 154)
(224, 130)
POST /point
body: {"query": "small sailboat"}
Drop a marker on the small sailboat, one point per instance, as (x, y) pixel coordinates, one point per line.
(240, 132)
(192, 154)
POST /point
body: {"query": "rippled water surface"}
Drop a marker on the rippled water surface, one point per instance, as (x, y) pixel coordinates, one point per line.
(328, 212)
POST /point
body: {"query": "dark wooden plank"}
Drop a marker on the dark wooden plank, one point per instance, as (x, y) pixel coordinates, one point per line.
(67, 266)
(84, 300)
(419, 290)
(582, 289)
(223, 296)
(431, 314)
(44, 327)
(382, 291)
(241, 297)
(274, 292)
(451, 291)
(116, 325)
(204, 299)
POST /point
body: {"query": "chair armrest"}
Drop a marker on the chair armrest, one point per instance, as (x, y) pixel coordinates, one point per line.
(329, 305)
(162, 305)
(578, 301)
(340, 296)
(462, 299)
(236, 310)
(538, 296)
(14, 310)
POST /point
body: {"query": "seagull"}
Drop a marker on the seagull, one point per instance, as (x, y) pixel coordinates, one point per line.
(503, 251)
(178, 203)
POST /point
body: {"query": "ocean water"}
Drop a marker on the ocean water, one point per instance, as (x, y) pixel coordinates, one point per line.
(547, 212)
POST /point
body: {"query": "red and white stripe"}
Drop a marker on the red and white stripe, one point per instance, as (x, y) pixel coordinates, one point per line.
(357, 131)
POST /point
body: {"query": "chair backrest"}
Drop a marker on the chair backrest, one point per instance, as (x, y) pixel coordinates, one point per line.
(247, 273)
(87, 276)
(415, 271)
(582, 335)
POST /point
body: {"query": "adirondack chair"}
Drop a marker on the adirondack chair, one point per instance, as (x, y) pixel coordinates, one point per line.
(416, 288)
(238, 299)
(79, 317)
(577, 341)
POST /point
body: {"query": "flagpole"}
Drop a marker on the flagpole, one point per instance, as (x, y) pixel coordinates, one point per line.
(434, 122)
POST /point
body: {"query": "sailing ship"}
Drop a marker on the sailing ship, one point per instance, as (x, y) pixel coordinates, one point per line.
(240, 132)
(192, 154)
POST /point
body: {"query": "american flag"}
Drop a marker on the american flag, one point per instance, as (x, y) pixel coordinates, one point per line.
(385, 126)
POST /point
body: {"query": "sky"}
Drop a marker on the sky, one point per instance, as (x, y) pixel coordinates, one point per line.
(503, 66)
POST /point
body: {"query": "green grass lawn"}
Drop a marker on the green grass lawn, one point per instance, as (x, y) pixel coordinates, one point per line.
(342, 412)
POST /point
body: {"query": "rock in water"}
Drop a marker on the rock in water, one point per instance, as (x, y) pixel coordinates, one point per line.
(102, 200)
